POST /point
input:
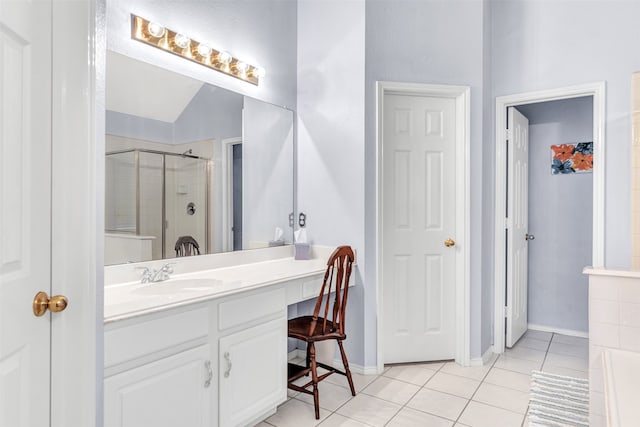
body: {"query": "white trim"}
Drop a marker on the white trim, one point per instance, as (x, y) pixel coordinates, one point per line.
(77, 212)
(462, 96)
(487, 357)
(570, 332)
(298, 353)
(337, 363)
(357, 369)
(597, 91)
(227, 191)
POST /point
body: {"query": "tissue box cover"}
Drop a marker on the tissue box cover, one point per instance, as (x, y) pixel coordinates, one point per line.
(301, 251)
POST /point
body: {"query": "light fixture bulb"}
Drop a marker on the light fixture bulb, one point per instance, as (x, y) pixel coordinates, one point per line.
(155, 29)
(259, 72)
(182, 41)
(204, 50)
(224, 57)
(242, 67)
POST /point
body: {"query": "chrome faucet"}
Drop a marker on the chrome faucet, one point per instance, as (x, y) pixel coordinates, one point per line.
(162, 274)
(151, 276)
(146, 274)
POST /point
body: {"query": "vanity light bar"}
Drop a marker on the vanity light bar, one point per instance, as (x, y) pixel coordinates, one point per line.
(179, 44)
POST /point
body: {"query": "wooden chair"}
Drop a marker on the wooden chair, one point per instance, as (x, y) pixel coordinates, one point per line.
(312, 329)
(186, 246)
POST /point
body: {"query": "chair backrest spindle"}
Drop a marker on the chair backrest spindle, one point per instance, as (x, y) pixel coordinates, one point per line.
(338, 272)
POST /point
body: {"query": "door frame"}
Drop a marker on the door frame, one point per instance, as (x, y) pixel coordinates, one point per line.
(461, 95)
(227, 191)
(597, 91)
(77, 211)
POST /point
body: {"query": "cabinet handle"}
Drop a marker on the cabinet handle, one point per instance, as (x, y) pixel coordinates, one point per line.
(227, 357)
(207, 366)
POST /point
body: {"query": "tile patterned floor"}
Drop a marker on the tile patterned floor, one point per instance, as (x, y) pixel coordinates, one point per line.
(440, 394)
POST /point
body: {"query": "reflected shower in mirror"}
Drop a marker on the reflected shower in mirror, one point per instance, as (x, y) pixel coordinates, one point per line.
(186, 158)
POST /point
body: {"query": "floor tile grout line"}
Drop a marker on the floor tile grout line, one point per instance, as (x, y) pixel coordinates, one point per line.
(482, 381)
(414, 395)
(475, 391)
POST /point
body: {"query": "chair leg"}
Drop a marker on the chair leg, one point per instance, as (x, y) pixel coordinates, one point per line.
(311, 348)
(346, 368)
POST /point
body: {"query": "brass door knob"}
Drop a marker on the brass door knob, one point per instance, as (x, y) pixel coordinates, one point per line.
(449, 242)
(42, 303)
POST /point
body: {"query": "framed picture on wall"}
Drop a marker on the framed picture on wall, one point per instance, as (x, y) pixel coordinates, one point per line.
(572, 158)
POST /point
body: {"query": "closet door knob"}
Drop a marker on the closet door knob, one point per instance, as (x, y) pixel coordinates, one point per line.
(42, 303)
(449, 243)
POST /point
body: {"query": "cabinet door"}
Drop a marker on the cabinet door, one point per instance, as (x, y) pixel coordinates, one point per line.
(174, 391)
(253, 372)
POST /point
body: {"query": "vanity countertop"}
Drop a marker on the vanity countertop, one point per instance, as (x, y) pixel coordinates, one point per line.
(132, 298)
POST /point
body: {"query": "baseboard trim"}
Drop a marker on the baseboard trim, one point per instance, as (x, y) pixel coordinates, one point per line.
(296, 354)
(561, 331)
(357, 369)
(482, 360)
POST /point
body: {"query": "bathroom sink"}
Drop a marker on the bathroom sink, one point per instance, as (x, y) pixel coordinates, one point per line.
(178, 286)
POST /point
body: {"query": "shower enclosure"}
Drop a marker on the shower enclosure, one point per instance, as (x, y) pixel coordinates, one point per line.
(158, 194)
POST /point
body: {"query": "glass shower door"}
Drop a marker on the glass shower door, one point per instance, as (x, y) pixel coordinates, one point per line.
(150, 218)
(120, 193)
(186, 202)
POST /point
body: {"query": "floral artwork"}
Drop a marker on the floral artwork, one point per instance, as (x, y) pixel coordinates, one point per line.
(572, 158)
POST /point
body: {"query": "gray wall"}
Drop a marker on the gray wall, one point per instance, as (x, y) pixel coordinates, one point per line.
(428, 41)
(213, 113)
(540, 45)
(267, 172)
(488, 105)
(330, 140)
(129, 126)
(560, 217)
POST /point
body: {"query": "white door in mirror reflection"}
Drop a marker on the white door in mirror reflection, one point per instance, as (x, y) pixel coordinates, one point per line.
(419, 211)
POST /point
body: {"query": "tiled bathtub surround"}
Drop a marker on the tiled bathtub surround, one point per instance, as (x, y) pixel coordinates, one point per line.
(440, 394)
(614, 323)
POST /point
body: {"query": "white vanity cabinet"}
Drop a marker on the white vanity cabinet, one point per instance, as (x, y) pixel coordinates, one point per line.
(252, 357)
(172, 391)
(205, 349)
(159, 370)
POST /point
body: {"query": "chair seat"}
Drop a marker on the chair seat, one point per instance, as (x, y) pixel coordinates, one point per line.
(299, 329)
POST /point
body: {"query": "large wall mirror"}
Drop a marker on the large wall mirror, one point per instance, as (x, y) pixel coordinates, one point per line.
(188, 159)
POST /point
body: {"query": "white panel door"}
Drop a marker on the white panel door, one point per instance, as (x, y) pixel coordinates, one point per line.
(25, 210)
(517, 214)
(419, 173)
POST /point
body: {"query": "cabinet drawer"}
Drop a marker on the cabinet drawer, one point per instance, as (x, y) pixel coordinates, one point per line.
(128, 342)
(253, 307)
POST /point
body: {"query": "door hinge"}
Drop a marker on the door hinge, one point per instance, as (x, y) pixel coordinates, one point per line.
(506, 311)
(507, 223)
(507, 134)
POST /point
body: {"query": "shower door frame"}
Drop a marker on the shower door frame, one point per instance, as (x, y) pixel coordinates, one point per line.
(136, 155)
